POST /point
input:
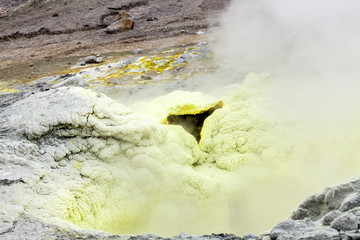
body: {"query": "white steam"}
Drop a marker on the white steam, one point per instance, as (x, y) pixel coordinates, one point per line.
(310, 48)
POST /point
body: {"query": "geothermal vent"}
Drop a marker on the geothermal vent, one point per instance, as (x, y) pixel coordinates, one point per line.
(193, 122)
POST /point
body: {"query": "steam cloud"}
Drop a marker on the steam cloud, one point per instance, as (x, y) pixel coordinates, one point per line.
(310, 49)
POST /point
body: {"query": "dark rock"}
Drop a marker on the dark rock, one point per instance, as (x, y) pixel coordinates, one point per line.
(145, 77)
(346, 222)
(93, 59)
(8, 182)
(66, 75)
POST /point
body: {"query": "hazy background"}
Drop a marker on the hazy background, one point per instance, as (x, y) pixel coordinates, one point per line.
(311, 49)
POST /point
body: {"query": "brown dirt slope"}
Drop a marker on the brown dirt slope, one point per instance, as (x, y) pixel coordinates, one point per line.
(35, 17)
(29, 33)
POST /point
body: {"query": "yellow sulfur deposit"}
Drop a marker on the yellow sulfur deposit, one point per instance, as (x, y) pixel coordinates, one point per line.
(8, 90)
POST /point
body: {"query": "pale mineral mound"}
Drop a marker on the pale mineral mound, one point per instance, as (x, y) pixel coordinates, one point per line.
(75, 158)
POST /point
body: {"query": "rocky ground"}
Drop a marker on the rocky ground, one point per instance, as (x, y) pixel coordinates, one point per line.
(31, 35)
(43, 44)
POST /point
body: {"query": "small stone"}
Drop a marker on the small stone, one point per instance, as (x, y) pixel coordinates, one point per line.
(145, 77)
(121, 25)
(66, 75)
(3, 12)
(138, 51)
(99, 59)
(346, 222)
(55, 14)
(62, 163)
(149, 18)
(203, 43)
(93, 59)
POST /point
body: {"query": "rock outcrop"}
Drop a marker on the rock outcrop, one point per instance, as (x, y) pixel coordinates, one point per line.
(331, 214)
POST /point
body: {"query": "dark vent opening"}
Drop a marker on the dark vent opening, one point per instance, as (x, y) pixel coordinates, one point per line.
(192, 123)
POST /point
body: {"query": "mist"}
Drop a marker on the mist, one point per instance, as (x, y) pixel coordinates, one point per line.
(309, 48)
